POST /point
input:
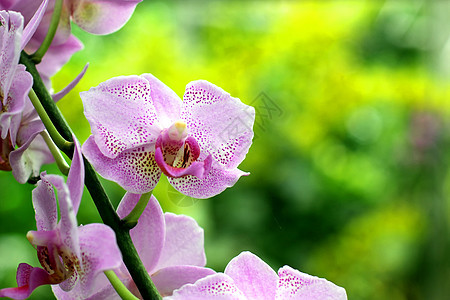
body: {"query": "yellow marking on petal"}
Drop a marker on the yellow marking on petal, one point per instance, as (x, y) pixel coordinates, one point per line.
(88, 11)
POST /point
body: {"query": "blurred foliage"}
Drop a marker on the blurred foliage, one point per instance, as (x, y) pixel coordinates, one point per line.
(349, 165)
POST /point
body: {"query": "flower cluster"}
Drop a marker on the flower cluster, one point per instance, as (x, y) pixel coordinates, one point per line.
(140, 130)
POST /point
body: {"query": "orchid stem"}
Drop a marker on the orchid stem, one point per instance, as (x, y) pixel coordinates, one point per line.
(37, 56)
(131, 220)
(59, 159)
(56, 137)
(118, 285)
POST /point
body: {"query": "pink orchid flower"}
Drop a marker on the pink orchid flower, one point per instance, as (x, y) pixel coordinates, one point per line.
(68, 254)
(19, 125)
(248, 277)
(170, 247)
(141, 128)
(15, 82)
(22, 149)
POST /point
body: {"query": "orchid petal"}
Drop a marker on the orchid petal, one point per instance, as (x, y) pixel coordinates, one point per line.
(68, 229)
(135, 169)
(26, 161)
(28, 279)
(103, 292)
(217, 286)
(294, 284)
(75, 179)
(58, 96)
(148, 235)
(184, 243)
(169, 279)
(167, 104)
(11, 27)
(44, 202)
(14, 103)
(102, 17)
(32, 25)
(135, 102)
(29, 129)
(253, 276)
(215, 182)
(221, 124)
(99, 253)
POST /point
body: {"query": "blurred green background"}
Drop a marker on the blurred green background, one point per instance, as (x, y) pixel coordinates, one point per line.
(349, 166)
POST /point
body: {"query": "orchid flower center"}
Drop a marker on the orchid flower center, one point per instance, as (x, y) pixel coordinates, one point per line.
(176, 152)
(173, 141)
(177, 131)
(59, 262)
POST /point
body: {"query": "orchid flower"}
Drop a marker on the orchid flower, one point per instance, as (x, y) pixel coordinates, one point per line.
(22, 148)
(147, 130)
(68, 254)
(18, 121)
(170, 247)
(248, 277)
(32, 151)
(15, 82)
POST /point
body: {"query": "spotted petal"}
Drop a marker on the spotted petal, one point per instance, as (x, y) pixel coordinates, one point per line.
(14, 103)
(215, 182)
(11, 28)
(217, 286)
(99, 253)
(135, 114)
(294, 284)
(44, 202)
(135, 169)
(67, 225)
(221, 124)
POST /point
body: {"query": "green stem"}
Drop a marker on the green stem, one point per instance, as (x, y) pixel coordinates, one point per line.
(59, 159)
(56, 137)
(131, 220)
(107, 212)
(47, 102)
(109, 216)
(120, 288)
(39, 54)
